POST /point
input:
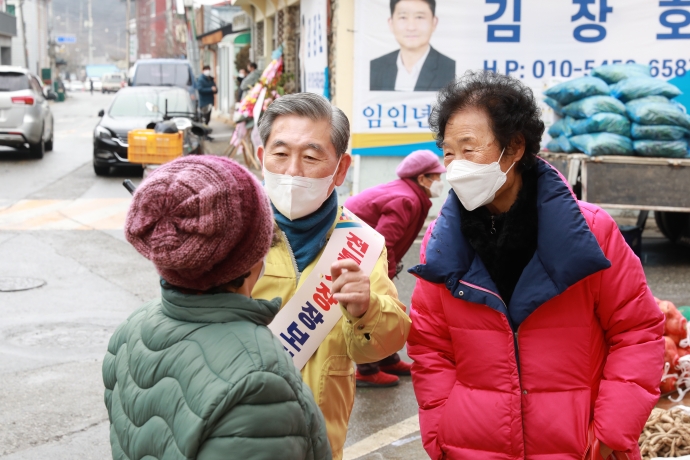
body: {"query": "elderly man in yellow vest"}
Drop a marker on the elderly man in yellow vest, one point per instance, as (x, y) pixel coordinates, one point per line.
(304, 158)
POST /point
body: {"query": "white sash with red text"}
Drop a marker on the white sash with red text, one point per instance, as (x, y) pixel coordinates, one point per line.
(307, 318)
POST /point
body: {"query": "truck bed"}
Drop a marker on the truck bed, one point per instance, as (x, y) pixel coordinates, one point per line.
(625, 182)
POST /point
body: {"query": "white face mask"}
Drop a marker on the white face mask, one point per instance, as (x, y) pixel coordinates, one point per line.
(296, 196)
(476, 184)
(436, 188)
(207, 73)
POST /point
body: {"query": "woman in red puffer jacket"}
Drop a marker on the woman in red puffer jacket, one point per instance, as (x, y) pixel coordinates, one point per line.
(534, 334)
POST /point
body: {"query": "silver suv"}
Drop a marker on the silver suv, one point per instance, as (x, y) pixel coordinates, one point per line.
(26, 121)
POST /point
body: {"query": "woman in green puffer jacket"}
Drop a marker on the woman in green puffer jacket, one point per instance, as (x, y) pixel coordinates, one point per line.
(197, 374)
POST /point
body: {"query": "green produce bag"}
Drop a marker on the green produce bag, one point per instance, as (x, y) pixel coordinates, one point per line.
(553, 146)
(593, 105)
(565, 145)
(667, 149)
(635, 88)
(657, 113)
(602, 144)
(576, 89)
(557, 108)
(561, 128)
(602, 123)
(613, 73)
(648, 99)
(658, 132)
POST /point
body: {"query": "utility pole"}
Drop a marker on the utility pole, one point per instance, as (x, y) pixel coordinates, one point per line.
(192, 46)
(169, 28)
(26, 45)
(51, 43)
(90, 33)
(128, 37)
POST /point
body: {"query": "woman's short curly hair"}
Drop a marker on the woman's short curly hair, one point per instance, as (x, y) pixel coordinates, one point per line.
(510, 105)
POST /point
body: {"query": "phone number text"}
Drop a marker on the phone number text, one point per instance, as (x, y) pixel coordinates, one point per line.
(565, 68)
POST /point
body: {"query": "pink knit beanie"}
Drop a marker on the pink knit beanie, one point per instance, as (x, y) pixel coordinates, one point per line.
(420, 162)
(202, 220)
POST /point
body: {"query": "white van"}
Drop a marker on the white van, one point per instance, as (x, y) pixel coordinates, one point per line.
(112, 82)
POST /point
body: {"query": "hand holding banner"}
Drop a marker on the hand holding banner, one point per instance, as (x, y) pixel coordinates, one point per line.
(348, 275)
(310, 315)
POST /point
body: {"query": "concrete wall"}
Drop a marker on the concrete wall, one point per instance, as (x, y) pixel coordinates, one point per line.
(343, 25)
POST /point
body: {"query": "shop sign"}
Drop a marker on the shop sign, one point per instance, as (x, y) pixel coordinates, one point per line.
(405, 56)
(313, 46)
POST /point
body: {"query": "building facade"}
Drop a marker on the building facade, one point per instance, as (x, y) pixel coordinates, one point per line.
(8, 30)
(29, 48)
(222, 31)
(160, 32)
(277, 22)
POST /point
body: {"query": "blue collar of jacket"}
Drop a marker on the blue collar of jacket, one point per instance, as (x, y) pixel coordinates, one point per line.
(567, 252)
(309, 234)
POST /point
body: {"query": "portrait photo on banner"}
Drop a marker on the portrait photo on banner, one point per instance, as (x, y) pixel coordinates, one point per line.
(415, 65)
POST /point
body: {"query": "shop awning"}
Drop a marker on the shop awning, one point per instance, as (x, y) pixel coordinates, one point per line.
(215, 36)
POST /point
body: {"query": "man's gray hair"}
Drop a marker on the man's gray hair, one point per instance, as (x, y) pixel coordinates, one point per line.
(315, 108)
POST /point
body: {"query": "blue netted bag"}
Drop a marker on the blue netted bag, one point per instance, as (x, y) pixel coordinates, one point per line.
(635, 88)
(576, 89)
(658, 99)
(613, 73)
(553, 146)
(602, 123)
(553, 103)
(565, 145)
(593, 105)
(658, 132)
(648, 99)
(668, 149)
(657, 113)
(602, 144)
(561, 127)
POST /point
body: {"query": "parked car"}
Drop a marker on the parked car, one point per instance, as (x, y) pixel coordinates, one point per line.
(26, 122)
(75, 85)
(165, 72)
(112, 83)
(134, 107)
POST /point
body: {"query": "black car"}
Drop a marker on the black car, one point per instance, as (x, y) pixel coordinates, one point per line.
(132, 108)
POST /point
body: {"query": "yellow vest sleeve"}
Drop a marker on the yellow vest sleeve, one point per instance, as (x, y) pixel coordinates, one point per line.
(383, 329)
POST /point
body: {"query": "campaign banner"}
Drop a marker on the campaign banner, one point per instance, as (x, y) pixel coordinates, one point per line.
(310, 315)
(314, 46)
(404, 55)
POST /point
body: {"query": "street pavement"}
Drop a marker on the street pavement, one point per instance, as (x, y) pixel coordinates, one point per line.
(62, 224)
